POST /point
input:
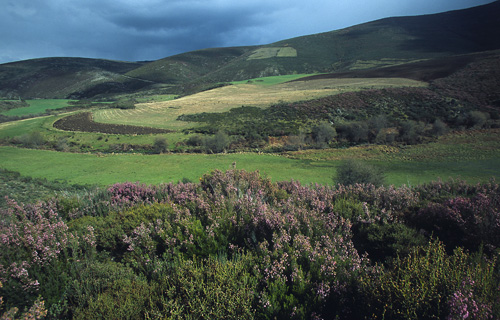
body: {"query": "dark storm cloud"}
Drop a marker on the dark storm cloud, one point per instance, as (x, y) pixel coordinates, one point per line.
(152, 29)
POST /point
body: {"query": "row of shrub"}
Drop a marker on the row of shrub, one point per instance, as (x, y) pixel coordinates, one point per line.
(407, 115)
(237, 246)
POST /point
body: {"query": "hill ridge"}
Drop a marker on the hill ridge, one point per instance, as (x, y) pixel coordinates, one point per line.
(371, 45)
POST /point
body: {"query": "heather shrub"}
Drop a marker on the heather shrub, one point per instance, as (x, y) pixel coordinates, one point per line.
(32, 237)
(106, 290)
(236, 245)
(35, 312)
(212, 288)
(463, 221)
(439, 191)
(37, 250)
(385, 241)
(428, 284)
(110, 230)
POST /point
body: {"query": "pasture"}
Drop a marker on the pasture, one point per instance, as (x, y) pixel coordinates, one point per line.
(38, 106)
(453, 156)
(473, 156)
(164, 114)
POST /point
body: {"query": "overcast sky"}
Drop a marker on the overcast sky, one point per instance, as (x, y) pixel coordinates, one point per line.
(134, 30)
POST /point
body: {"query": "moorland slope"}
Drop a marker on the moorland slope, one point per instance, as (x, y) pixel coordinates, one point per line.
(373, 45)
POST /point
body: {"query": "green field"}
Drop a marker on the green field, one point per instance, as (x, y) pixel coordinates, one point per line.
(268, 81)
(153, 169)
(38, 106)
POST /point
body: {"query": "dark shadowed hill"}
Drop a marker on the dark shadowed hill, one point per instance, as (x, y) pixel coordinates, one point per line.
(369, 46)
(64, 77)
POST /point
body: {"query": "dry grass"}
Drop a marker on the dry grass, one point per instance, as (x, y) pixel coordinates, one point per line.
(271, 52)
(164, 114)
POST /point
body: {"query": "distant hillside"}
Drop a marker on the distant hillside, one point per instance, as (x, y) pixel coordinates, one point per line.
(65, 77)
(377, 44)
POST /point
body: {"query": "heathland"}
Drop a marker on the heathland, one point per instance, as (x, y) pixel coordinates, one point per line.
(349, 174)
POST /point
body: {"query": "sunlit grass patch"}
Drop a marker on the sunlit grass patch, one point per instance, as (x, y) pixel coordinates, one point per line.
(38, 106)
(271, 52)
(164, 114)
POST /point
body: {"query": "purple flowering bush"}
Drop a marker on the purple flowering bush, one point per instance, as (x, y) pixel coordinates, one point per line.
(463, 220)
(237, 246)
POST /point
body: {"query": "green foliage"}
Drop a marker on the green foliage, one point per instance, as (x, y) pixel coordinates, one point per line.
(29, 190)
(323, 134)
(411, 132)
(160, 145)
(477, 119)
(421, 285)
(107, 290)
(33, 139)
(217, 143)
(385, 241)
(124, 105)
(213, 288)
(352, 172)
(236, 245)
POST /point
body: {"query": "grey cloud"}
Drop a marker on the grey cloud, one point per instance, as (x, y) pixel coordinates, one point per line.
(153, 29)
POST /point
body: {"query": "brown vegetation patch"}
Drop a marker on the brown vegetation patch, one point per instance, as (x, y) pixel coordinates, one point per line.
(84, 122)
(427, 70)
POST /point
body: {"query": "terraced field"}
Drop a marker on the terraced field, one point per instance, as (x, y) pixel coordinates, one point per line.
(164, 114)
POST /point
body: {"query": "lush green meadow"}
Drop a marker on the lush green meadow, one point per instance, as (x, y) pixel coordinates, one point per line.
(38, 106)
(154, 169)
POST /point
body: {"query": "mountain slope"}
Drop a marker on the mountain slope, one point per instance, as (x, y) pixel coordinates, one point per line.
(378, 43)
(381, 43)
(62, 77)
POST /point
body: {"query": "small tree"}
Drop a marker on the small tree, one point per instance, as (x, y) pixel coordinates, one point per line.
(477, 119)
(31, 140)
(411, 132)
(439, 128)
(353, 171)
(218, 143)
(323, 133)
(160, 145)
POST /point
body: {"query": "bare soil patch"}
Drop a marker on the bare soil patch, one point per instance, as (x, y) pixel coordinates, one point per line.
(84, 122)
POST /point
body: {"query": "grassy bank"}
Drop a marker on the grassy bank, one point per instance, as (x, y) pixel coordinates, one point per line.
(153, 169)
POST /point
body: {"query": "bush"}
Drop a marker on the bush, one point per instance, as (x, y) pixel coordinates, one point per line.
(323, 133)
(237, 245)
(30, 140)
(195, 141)
(160, 145)
(214, 288)
(411, 132)
(385, 241)
(355, 132)
(429, 284)
(353, 171)
(439, 128)
(218, 143)
(477, 119)
(124, 105)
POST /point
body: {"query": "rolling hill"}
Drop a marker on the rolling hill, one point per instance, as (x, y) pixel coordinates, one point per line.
(373, 45)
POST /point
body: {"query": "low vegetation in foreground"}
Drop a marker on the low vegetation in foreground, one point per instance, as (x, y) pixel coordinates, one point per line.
(237, 246)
